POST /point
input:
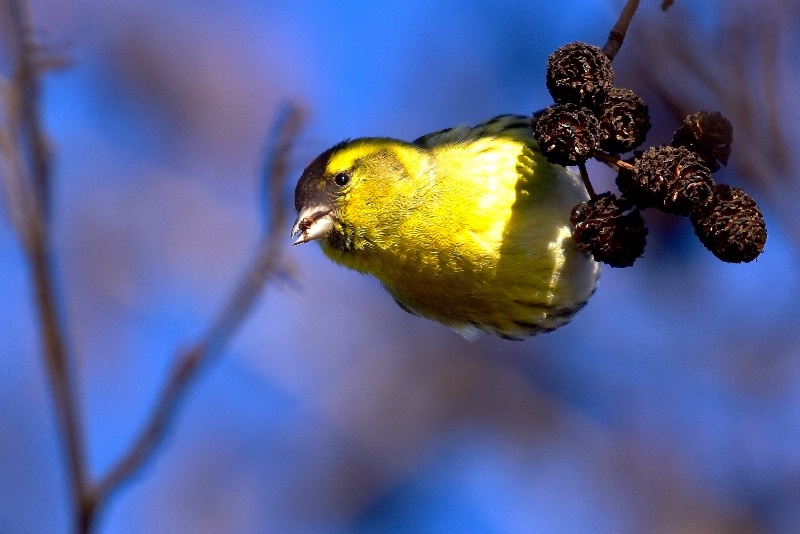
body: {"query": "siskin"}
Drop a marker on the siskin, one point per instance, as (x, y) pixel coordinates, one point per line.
(467, 226)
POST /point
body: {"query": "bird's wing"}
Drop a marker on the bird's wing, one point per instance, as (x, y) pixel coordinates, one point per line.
(496, 125)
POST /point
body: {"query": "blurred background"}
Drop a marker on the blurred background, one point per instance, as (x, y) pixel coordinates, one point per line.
(670, 404)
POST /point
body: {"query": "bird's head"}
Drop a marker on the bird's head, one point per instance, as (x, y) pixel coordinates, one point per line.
(353, 190)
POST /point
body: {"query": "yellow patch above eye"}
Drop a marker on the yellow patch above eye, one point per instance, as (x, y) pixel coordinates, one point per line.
(346, 159)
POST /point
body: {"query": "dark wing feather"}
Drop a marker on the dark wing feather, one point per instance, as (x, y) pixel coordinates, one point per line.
(495, 125)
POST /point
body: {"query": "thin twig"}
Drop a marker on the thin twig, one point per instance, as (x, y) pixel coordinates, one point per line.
(19, 196)
(586, 182)
(613, 161)
(61, 377)
(26, 79)
(620, 29)
(25, 146)
(267, 264)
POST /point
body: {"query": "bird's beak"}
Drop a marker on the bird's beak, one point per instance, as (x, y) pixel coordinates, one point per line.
(314, 222)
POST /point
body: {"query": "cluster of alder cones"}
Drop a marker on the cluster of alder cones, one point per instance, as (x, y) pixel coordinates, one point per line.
(594, 119)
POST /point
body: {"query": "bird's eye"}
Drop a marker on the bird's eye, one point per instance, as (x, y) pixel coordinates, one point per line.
(341, 179)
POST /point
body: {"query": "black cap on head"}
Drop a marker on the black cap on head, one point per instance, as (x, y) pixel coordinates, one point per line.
(313, 181)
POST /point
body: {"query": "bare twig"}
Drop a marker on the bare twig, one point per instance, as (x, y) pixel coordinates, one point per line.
(27, 174)
(26, 80)
(586, 182)
(620, 29)
(19, 195)
(613, 161)
(61, 376)
(267, 264)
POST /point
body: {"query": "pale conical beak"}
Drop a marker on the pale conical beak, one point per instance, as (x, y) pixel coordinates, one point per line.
(312, 223)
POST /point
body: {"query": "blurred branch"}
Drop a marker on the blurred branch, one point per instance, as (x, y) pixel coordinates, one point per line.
(738, 71)
(25, 81)
(26, 178)
(288, 123)
(620, 29)
(25, 167)
(267, 264)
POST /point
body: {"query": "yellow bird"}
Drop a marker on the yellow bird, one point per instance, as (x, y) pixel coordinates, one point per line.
(468, 226)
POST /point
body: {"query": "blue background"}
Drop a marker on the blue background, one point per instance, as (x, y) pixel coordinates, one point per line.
(670, 403)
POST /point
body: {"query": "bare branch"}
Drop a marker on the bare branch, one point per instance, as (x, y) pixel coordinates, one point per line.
(61, 376)
(19, 196)
(26, 174)
(620, 29)
(267, 264)
(26, 80)
(26, 178)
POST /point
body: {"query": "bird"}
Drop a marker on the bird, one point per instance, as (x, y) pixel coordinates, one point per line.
(466, 226)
